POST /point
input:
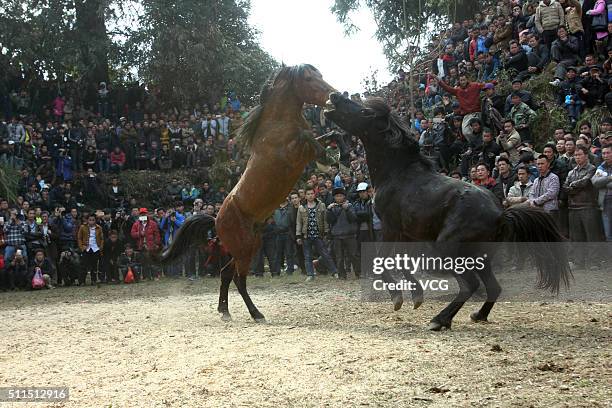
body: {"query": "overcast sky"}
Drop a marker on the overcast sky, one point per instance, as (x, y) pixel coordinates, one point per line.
(305, 31)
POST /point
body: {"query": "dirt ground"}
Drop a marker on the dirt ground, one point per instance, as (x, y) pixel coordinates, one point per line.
(162, 344)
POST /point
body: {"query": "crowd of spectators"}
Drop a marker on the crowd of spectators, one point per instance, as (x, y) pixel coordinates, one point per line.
(467, 128)
(471, 131)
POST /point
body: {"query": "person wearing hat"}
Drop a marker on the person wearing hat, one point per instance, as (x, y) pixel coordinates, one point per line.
(517, 87)
(568, 95)
(363, 212)
(145, 233)
(343, 227)
(492, 108)
(522, 115)
(593, 88)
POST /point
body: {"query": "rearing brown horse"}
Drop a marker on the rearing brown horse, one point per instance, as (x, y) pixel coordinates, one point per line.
(280, 143)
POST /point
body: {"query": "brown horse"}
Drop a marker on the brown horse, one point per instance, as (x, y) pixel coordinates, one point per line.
(280, 144)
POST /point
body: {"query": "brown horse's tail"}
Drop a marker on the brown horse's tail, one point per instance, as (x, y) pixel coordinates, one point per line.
(193, 232)
(533, 225)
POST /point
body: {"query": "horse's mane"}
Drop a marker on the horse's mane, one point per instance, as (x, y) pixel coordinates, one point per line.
(398, 135)
(248, 130)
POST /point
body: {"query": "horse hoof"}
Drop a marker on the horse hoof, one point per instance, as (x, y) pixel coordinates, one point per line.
(476, 317)
(398, 301)
(260, 319)
(226, 317)
(417, 304)
(436, 326)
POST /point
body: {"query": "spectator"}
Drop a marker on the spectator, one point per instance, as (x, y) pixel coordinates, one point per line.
(569, 91)
(170, 225)
(69, 228)
(564, 52)
(521, 115)
(45, 265)
(468, 94)
(593, 88)
(148, 242)
(190, 193)
(130, 259)
(32, 233)
(16, 273)
(91, 244)
(509, 140)
(545, 190)
(519, 192)
(343, 226)
(14, 235)
(173, 191)
(284, 243)
(548, 18)
(484, 180)
(267, 250)
(602, 182)
(311, 228)
(506, 178)
(109, 265)
(117, 160)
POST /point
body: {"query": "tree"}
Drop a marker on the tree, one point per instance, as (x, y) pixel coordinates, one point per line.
(194, 53)
(188, 50)
(401, 23)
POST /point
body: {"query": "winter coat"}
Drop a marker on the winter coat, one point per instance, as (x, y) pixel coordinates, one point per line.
(573, 16)
(151, 241)
(342, 222)
(579, 188)
(83, 237)
(549, 17)
(602, 181)
(301, 227)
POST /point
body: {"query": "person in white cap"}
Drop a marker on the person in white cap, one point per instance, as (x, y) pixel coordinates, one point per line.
(363, 211)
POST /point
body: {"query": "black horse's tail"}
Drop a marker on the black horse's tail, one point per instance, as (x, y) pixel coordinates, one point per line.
(194, 231)
(528, 224)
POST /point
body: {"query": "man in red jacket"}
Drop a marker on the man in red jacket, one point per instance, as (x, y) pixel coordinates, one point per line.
(148, 241)
(468, 94)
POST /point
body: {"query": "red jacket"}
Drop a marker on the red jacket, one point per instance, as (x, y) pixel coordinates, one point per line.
(151, 235)
(117, 158)
(469, 98)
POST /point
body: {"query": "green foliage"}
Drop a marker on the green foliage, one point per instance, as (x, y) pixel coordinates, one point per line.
(9, 180)
(186, 51)
(149, 187)
(404, 24)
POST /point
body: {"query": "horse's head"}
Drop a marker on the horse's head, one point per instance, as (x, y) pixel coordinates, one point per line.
(373, 122)
(306, 82)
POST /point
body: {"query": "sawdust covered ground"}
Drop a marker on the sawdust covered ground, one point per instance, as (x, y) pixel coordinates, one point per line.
(161, 344)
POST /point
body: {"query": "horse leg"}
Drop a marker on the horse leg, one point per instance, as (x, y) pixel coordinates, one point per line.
(396, 295)
(227, 274)
(493, 292)
(468, 283)
(417, 292)
(240, 281)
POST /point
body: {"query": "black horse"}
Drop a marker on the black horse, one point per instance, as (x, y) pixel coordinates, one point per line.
(415, 203)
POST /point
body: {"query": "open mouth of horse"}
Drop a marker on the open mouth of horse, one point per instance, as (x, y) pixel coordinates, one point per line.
(329, 106)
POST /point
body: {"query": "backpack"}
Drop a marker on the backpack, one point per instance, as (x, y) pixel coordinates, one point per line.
(37, 281)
